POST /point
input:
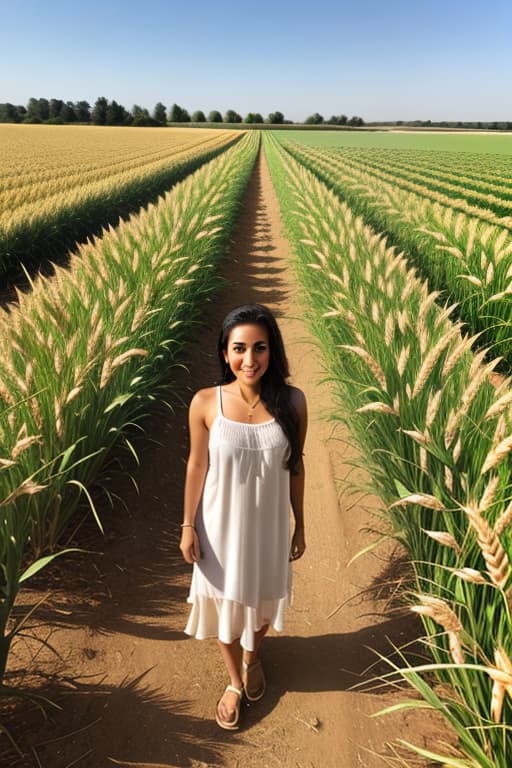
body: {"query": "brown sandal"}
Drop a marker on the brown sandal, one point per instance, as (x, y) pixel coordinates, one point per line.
(247, 673)
(229, 725)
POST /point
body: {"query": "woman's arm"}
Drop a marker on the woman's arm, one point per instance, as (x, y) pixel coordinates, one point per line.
(298, 544)
(197, 466)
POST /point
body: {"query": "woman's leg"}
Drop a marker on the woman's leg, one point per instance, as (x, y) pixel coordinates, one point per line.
(232, 655)
(251, 656)
(253, 675)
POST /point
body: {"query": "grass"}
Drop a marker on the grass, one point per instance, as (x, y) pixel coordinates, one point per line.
(489, 143)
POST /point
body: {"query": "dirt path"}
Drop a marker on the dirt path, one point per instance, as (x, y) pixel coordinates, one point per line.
(134, 690)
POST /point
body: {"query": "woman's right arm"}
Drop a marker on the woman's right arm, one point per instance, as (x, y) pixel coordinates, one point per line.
(197, 466)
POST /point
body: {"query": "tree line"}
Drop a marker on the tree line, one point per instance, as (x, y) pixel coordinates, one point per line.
(105, 112)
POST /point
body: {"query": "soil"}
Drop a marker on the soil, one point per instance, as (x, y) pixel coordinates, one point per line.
(131, 688)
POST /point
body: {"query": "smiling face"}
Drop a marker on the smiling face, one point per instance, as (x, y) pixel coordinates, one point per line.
(248, 353)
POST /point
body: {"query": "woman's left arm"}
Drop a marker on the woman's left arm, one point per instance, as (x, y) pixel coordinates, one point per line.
(298, 544)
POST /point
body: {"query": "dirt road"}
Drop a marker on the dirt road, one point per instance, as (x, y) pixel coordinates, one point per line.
(134, 690)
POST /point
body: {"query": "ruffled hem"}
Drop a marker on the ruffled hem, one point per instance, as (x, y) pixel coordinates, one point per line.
(228, 620)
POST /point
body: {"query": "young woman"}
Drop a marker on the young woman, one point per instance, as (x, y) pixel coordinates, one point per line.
(244, 474)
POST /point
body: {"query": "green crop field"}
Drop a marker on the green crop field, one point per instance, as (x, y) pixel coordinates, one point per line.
(459, 142)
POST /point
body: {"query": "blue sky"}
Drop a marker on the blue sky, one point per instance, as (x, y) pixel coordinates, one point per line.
(378, 59)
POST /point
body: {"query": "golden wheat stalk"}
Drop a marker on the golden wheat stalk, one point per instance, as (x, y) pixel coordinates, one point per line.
(497, 454)
(445, 538)
(503, 520)
(469, 574)
(378, 407)
(440, 612)
(431, 359)
(489, 494)
(423, 499)
(501, 675)
(496, 559)
(370, 361)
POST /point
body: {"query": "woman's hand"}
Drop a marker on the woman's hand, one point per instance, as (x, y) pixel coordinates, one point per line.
(189, 544)
(298, 545)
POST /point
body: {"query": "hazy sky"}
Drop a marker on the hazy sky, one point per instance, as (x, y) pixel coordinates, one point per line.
(378, 59)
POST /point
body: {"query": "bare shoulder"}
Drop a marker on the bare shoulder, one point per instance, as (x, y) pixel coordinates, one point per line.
(203, 406)
(204, 397)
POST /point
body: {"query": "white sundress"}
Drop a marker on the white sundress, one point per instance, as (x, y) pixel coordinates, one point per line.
(243, 579)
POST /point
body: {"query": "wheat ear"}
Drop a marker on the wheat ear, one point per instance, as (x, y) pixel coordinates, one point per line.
(496, 559)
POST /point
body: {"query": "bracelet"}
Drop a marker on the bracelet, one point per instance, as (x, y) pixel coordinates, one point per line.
(188, 525)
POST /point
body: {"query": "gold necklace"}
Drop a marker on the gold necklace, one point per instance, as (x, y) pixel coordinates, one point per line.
(252, 406)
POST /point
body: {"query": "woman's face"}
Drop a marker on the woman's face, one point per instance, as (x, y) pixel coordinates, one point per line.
(248, 352)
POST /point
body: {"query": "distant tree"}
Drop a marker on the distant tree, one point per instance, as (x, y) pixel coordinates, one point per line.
(253, 117)
(315, 119)
(199, 116)
(337, 120)
(55, 108)
(9, 113)
(83, 111)
(33, 110)
(99, 111)
(356, 121)
(185, 117)
(142, 119)
(176, 114)
(67, 112)
(215, 116)
(44, 109)
(276, 118)
(116, 114)
(232, 117)
(160, 113)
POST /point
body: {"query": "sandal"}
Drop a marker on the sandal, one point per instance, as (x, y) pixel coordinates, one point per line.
(229, 725)
(247, 672)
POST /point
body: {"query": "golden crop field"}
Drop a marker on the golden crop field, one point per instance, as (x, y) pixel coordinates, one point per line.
(59, 184)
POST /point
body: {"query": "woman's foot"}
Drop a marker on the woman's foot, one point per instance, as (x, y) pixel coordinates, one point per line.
(227, 712)
(253, 679)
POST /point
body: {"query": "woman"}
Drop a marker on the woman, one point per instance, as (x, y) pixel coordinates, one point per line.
(244, 472)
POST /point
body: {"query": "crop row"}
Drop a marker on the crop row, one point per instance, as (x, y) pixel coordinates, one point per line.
(45, 220)
(434, 432)
(33, 154)
(344, 165)
(85, 353)
(466, 259)
(481, 187)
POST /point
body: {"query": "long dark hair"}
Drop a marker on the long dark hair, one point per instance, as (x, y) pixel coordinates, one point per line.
(275, 392)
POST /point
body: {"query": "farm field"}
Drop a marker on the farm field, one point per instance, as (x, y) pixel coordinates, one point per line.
(60, 185)
(400, 260)
(459, 142)
(453, 225)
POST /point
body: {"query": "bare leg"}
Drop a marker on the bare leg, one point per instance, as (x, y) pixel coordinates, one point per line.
(232, 655)
(251, 656)
(253, 675)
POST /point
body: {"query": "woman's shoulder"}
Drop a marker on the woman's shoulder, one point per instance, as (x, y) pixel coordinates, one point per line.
(204, 397)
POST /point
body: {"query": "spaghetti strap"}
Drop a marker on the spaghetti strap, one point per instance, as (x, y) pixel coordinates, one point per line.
(219, 400)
